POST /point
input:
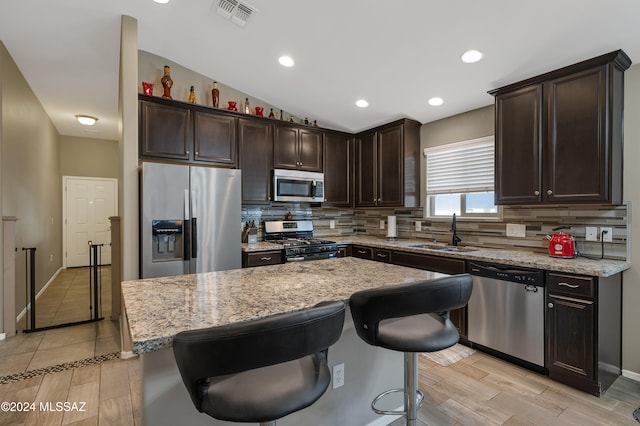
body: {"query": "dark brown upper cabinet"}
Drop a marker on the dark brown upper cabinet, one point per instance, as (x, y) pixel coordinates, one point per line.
(165, 130)
(297, 148)
(559, 135)
(388, 166)
(179, 131)
(255, 139)
(338, 169)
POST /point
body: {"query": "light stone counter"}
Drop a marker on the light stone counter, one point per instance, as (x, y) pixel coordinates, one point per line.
(579, 265)
(159, 308)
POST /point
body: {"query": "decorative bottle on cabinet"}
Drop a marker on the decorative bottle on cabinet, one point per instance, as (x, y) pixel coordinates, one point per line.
(192, 96)
(167, 82)
(247, 107)
(215, 95)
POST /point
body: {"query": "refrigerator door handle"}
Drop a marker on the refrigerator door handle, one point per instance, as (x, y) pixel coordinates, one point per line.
(194, 238)
(186, 227)
(194, 226)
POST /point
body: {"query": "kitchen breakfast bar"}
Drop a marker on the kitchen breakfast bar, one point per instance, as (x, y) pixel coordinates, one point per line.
(159, 308)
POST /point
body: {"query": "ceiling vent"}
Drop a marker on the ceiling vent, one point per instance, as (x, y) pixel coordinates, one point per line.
(239, 12)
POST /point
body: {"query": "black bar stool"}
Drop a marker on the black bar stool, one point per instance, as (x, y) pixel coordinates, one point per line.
(260, 370)
(410, 318)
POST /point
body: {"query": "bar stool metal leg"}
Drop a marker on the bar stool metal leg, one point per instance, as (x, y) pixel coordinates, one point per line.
(273, 423)
(412, 400)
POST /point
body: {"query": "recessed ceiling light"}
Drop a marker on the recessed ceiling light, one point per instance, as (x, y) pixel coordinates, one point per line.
(86, 120)
(362, 103)
(286, 61)
(162, 1)
(471, 56)
(435, 101)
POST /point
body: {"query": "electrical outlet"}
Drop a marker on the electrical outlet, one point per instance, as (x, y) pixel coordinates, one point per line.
(338, 375)
(332, 224)
(516, 230)
(50, 258)
(418, 226)
(591, 233)
(382, 224)
(607, 234)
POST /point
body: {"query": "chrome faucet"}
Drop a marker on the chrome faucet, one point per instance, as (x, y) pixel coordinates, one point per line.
(454, 239)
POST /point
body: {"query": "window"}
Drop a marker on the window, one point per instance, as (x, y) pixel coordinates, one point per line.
(460, 179)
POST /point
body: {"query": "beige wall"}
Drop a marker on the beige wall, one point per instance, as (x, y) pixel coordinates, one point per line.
(631, 278)
(89, 157)
(31, 180)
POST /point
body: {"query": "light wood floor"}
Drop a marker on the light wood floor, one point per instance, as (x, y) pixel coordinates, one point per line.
(479, 390)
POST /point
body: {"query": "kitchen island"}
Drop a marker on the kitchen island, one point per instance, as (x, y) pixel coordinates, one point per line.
(159, 308)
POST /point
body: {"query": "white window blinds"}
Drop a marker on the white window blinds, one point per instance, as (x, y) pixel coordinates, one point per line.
(461, 167)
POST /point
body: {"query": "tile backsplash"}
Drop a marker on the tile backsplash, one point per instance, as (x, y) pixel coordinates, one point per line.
(539, 222)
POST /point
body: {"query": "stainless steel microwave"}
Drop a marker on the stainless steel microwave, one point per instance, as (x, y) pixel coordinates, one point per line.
(298, 186)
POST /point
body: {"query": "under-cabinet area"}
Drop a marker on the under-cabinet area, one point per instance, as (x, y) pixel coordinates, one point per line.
(570, 321)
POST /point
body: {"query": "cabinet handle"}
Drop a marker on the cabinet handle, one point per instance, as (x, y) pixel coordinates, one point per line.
(197, 153)
(549, 192)
(188, 152)
(569, 285)
(362, 251)
(536, 192)
(381, 255)
(266, 258)
(550, 305)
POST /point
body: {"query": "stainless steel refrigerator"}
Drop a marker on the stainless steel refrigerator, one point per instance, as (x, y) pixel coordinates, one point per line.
(190, 220)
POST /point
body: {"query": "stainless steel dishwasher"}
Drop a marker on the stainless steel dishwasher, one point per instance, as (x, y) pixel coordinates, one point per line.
(506, 310)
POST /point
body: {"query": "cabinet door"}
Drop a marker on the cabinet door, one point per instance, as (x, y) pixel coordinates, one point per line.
(215, 138)
(366, 171)
(165, 131)
(570, 334)
(577, 166)
(285, 147)
(310, 150)
(518, 146)
(256, 160)
(338, 158)
(390, 180)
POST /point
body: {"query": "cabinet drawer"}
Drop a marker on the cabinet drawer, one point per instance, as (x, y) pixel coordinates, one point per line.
(570, 284)
(382, 255)
(262, 258)
(430, 263)
(362, 252)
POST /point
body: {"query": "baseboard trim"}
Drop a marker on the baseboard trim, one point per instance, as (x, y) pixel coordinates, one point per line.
(127, 355)
(385, 420)
(631, 375)
(26, 308)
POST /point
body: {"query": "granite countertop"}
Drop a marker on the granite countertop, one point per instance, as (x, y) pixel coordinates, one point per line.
(159, 308)
(579, 265)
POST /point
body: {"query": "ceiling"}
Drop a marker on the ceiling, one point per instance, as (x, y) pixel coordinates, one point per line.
(396, 54)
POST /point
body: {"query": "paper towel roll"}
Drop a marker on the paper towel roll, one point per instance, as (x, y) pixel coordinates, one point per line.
(392, 230)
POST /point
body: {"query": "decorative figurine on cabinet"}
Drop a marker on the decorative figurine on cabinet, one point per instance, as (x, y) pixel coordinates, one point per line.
(192, 96)
(167, 82)
(215, 95)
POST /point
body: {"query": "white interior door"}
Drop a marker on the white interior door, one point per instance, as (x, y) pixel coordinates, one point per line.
(88, 203)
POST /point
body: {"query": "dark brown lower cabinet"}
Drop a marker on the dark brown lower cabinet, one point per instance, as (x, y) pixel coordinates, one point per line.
(344, 250)
(362, 252)
(438, 264)
(261, 258)
(583, 317)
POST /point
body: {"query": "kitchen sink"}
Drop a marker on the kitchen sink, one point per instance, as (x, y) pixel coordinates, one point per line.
(444, 248)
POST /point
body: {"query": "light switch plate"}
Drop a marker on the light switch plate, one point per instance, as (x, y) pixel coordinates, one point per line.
(382, 224)
(516, 230)
(591, 233)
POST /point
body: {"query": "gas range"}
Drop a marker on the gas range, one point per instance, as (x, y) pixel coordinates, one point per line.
(297, 238)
